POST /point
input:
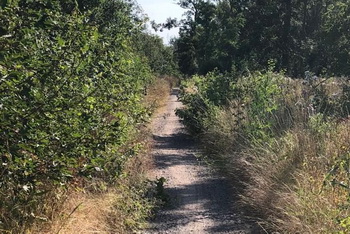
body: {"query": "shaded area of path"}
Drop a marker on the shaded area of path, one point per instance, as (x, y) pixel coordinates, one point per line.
(201, 200)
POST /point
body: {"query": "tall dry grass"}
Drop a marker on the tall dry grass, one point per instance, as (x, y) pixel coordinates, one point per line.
(296, 180)
(288, 186)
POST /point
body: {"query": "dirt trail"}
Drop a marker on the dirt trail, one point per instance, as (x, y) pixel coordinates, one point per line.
(200, 199)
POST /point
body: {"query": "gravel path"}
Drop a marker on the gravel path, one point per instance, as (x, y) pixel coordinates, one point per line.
(200, 200)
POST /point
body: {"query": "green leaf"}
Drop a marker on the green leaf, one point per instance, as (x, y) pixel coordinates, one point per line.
(95, 35)
(60, 41)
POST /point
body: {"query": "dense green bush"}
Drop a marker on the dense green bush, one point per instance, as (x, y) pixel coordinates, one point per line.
(202, 94)
(70, 91)
(258, 93)
(160, 57)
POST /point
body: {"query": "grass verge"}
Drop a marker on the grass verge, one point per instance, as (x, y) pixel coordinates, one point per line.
(284, 143)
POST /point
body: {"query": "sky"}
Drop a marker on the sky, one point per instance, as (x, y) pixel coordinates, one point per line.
(159, 11)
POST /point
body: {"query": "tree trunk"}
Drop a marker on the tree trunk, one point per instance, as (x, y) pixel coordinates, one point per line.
(286, 40)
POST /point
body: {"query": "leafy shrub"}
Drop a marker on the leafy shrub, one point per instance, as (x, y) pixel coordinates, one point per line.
(70, 92)
(202, 94)
(258, 93)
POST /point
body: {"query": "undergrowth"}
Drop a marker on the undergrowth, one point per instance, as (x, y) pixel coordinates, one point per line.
(120, 206)
(284, 142)
(72, 106)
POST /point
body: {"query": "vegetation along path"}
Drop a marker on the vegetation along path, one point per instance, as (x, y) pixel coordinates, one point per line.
(200, 201)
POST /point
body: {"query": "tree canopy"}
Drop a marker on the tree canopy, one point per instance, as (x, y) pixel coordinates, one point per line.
(298, 35)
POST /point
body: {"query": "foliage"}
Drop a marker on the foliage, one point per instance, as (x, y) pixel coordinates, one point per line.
(283, 142)
(160, 57)
(214, 89)
(258, 92)
(71, 85)
(195, 113)
(132, 207)
(299, 35)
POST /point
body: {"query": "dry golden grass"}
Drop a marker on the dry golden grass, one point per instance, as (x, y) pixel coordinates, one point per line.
(158, 92)
(297, 181)
(285, 181)
(82, 213)
(287, 184)
(110, 211)
(314, 202)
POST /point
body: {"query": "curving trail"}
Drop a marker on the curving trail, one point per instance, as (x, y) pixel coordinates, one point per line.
(201, 200)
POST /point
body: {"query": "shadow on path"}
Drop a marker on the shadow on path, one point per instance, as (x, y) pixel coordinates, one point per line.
(200, 201)
(177, 141)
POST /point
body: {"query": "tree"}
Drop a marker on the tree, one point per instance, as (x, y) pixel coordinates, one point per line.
(298, 35)
(159, 56)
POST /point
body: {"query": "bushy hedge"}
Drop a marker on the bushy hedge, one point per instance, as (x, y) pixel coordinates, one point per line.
(70, 91)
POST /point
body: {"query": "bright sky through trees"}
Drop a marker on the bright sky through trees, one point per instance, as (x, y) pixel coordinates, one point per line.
(160, 10)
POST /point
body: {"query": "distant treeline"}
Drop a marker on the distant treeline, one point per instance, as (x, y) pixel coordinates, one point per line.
(298, 35)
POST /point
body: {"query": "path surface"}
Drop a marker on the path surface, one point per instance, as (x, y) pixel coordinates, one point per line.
(200, 200)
